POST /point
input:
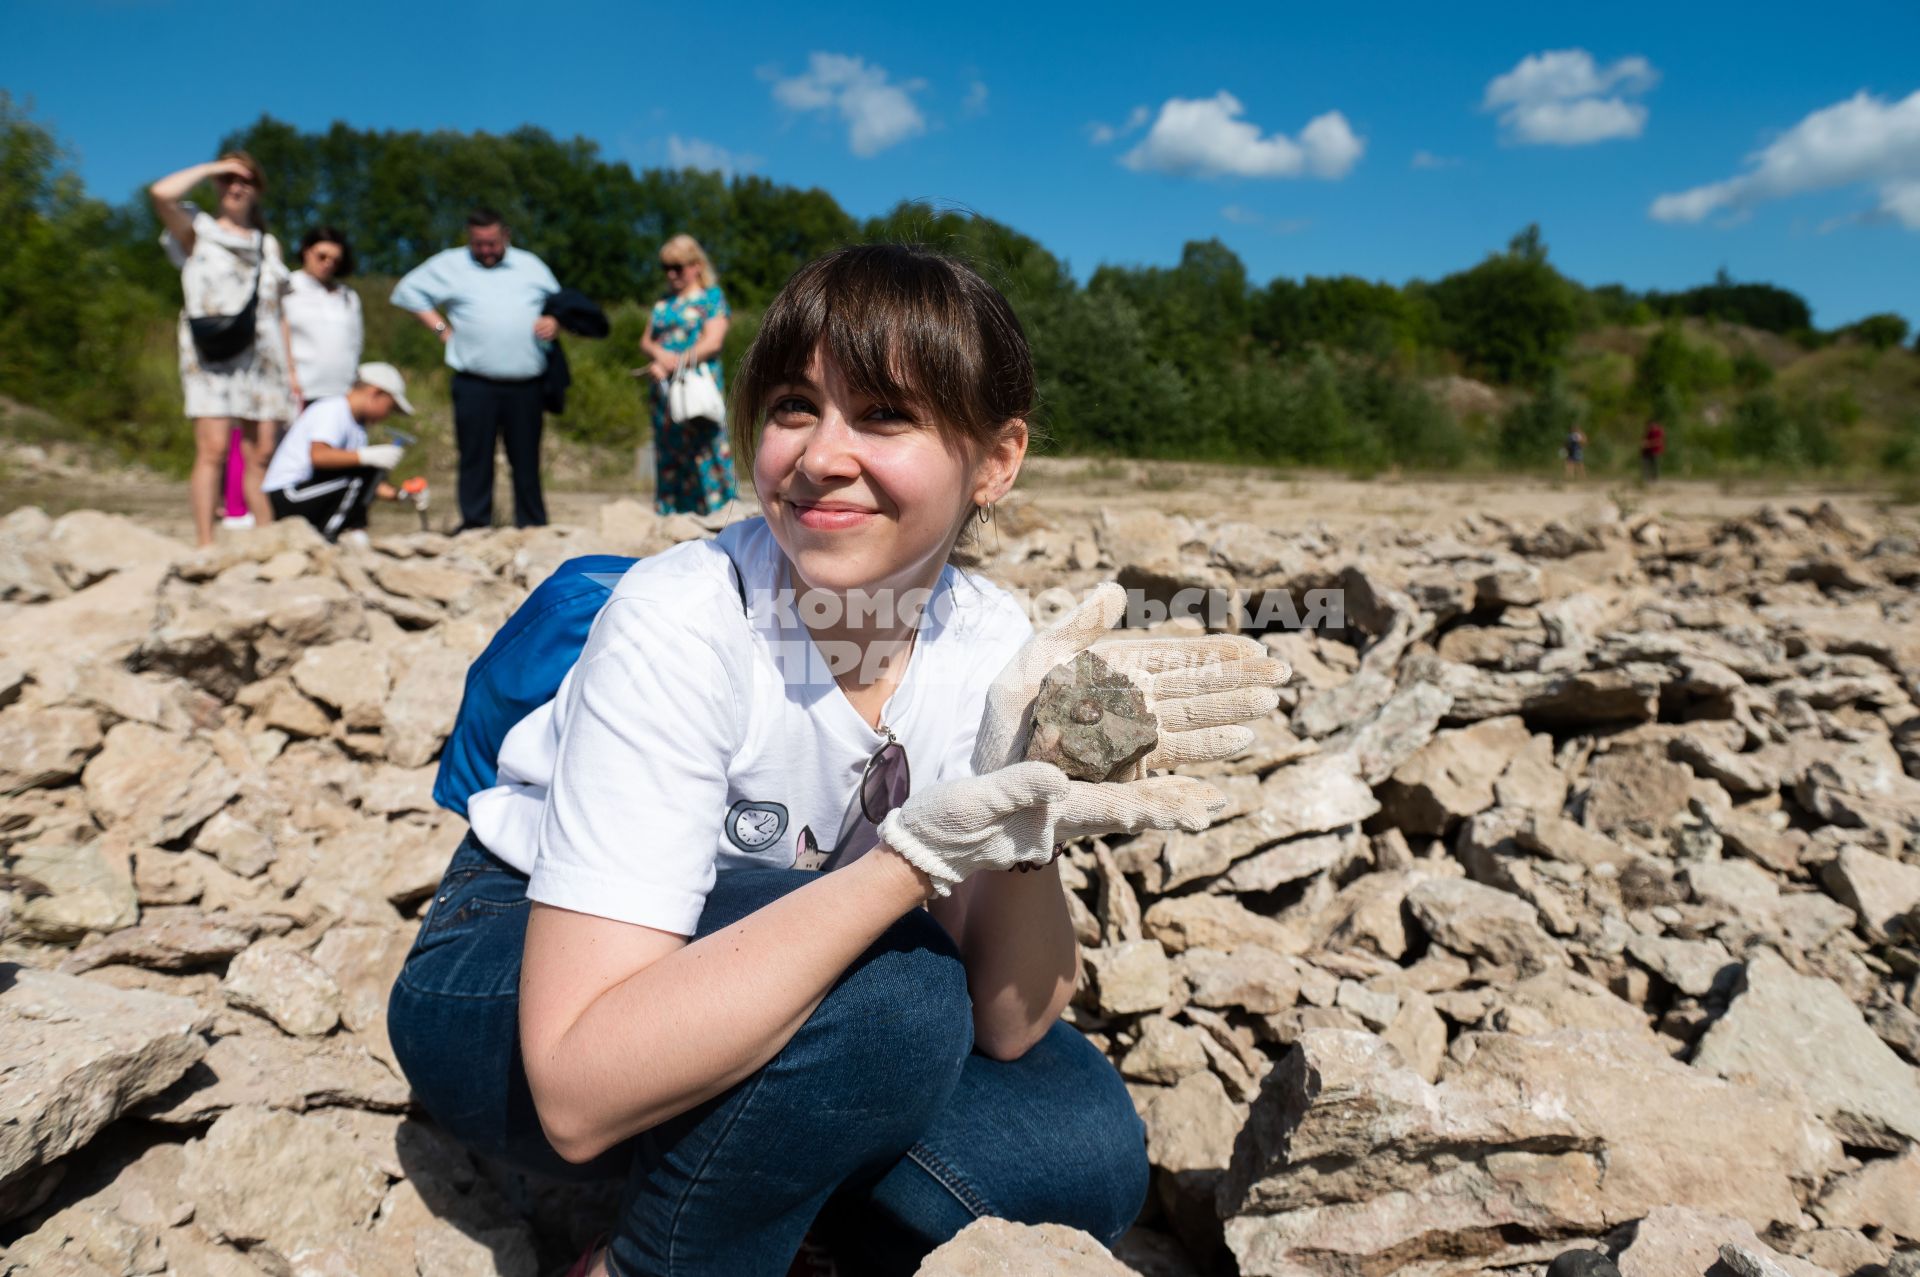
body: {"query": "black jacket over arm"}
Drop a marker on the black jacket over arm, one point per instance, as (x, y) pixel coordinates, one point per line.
(579, 315)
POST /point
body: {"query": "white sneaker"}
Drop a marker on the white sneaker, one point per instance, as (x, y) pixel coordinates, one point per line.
(237, 520)
(356, 538)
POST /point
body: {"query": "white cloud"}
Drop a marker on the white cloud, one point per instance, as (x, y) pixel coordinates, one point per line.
(1428, 160)
(878, 112)
(1101, 134)
(1562, 98)
(1865, 140)
(975, 103)
(1205, 137)
(697, 153)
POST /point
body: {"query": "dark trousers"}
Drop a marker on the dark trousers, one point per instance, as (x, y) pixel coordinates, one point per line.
(485, 410)
(332, 500)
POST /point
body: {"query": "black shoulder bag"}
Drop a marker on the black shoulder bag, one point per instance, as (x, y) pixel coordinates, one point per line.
(219, 338)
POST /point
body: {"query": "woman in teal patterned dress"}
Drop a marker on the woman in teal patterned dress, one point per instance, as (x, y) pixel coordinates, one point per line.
(693, 463)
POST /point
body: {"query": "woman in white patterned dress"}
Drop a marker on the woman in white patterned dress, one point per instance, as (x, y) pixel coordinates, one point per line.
(255, 390)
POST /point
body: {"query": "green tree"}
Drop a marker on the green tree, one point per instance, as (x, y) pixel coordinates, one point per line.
(1511, 316)
(1882, 332)
(75, 323)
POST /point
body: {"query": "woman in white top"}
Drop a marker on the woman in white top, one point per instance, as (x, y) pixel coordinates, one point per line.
(325, 330)
(683, 941)
(220, 255)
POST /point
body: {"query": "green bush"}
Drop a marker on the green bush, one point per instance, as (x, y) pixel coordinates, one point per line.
(1882, 332)
(1673, 372)
(1533, 431)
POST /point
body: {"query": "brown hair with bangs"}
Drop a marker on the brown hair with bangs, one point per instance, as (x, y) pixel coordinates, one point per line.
(906, 326)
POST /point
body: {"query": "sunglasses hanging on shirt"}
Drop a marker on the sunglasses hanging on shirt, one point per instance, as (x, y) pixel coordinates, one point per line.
(885, 783)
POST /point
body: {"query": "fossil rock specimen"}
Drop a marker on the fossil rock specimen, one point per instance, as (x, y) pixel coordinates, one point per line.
(1090, 721)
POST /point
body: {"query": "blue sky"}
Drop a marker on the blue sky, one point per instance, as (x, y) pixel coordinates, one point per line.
(1748, 118)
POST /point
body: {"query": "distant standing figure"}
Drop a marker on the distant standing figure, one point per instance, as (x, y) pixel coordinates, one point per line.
(325, 329)
(496, 340)
(1576, 452)
(253, 391)
(1652, 444)
(693, 463)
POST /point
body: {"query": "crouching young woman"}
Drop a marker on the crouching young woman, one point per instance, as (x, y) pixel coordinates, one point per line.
(685, 940)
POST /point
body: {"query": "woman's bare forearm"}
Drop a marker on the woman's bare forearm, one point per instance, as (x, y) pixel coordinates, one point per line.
(166, 195)
(694, 1022)
(1022, 958)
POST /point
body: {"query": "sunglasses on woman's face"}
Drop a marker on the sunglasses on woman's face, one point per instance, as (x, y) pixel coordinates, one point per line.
(884, 785)
(674, 268)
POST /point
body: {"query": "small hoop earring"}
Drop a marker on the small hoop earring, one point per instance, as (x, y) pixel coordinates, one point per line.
(985, 512)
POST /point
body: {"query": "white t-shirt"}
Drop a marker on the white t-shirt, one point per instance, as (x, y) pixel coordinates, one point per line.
(690, 740)
(327, 421)
(327, 332)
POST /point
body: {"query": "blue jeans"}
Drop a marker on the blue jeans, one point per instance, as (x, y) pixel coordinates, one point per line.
(877, 1124)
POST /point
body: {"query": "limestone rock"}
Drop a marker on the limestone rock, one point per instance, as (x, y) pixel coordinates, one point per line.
(1803, 1029)
(1673, 1240)
(287, 987)
(170, 944)
(1761, 1261)
(1691, 966)
(1164, 1053)
(1879, 889)
(1453, 777)
(74, 1055)
(419, 713)
(87, 545)
(1635, 788)
(1251, 978)
(1291, 861)
(283, 1182)
(1885, 1193)
(1351, 1162)
(258, 1071)
(1191, 1126)
(156, 784)
(81, 887)
(1218, 922)
(364, 961)
(1479, 922)
(1418, 1033)
(991, 1247)
(1133, 975)
(1315, 795)
(350, 676)
(42, 747)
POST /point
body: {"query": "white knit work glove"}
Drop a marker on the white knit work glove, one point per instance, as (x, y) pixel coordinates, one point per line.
(1018, 814)
(996, 821)
(381, 456)
(1200, 689)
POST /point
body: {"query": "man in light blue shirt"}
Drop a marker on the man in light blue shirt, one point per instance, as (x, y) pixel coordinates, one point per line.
(496, 338)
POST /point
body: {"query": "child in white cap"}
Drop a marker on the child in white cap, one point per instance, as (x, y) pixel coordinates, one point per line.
(325, 471)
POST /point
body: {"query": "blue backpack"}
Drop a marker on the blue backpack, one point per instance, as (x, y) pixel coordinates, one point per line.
(522, 669)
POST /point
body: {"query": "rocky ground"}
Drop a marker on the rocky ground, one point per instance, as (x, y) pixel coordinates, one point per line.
(1571, 898)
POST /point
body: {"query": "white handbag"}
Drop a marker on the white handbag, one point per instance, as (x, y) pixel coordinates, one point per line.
(693, 395)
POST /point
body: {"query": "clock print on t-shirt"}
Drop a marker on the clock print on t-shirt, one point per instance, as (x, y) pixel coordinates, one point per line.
(754, 827)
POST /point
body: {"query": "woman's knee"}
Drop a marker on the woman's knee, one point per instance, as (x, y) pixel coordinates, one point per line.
(900, 1018)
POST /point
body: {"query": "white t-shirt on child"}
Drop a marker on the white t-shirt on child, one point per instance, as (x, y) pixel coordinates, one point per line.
(328, 421)
(690, 739)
